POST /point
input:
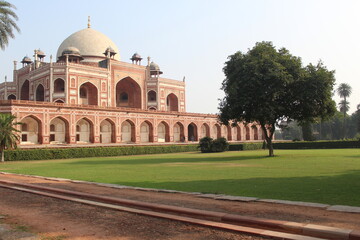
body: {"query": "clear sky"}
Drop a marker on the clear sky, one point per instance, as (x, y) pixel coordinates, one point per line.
(193, 38)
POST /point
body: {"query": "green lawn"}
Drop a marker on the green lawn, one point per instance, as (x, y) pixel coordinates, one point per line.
(325, 176)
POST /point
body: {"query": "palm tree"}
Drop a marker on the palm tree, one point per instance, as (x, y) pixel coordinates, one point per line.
(344, 91)
(8, 133)
(7, 23)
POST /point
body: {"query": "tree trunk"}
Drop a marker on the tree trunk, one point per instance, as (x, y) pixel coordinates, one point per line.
(268, 138)
(2, 156)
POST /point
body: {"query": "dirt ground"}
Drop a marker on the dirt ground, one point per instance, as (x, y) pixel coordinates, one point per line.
(58, 219)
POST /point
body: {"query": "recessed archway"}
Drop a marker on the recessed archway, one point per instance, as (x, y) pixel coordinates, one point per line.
(255, 130)
(172, 103)
(40, 93)
(237, 133)
(204, 130)
(163, 132)
(88, 94)
(192, 132)
(31, 130)
(11, 97)
(59, 130)
(25, 89)
(84, 131)
(107, 131)
(179, 132)
(151, 96)
(216, 131)
(146, 132)
(59, 85)
(128, 131)
(247, 132)
(128, 93)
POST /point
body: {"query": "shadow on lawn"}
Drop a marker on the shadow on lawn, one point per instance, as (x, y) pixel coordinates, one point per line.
(341, 189)
(170, 159)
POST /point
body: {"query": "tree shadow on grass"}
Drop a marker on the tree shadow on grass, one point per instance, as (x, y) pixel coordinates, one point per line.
(341, 189)
(170, 159)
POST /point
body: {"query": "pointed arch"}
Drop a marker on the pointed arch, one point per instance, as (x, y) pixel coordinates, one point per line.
(25, 90)
(88, 94)
(107, 131)
(11, 97)
(59, 130)
(172, 102)
(152, 96)
(179, 132)
(256, 132)
(31, 130)
(128, 131)
(128, 93)
(40, 93)
(192, 132)
(216, 131)
(163, 132)
(146, 131)
(85, 130)
(237, 133)
(204, 130)
(247, 132)
(59, 85)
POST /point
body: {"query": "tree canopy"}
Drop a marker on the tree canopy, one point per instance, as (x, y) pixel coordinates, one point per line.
(7, 23)
(267, 86)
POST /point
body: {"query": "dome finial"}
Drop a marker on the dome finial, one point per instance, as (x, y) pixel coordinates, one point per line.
(89, 22)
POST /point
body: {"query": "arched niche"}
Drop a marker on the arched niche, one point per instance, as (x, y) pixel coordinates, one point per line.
(88, 94)
(163, 132)
(25, 90)
(11, 97)
(146, 132)
(59, 85)
(172, 102)
(128, 131)
(204, 130)
(107, 131)
(179, 132)
(151, 96)
(59, 130)
(31, 130)
(192, 132)
(84, 131)
(128, 93)
(40, 93)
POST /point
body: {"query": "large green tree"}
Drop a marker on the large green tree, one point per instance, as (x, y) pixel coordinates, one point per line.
(7, 23)
(8, 133)
(267, 86)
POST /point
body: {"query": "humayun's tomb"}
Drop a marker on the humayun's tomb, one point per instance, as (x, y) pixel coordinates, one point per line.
(87, 95)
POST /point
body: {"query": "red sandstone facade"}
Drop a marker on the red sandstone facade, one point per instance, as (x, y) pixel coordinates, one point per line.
(89, 96)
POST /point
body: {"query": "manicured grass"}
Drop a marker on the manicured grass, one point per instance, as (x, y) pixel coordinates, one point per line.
(325, 176)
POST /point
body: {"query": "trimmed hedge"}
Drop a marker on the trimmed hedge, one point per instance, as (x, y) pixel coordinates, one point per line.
(297, 145)
(245, 146)
(317, 145)
(63, 153)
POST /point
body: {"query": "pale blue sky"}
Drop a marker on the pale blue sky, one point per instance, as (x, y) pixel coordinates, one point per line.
(194, 38)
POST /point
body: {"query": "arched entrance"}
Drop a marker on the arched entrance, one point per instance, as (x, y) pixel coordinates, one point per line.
(216, 131)
(151, 96)
(39, 95)
(172, 102)
(107, 131)
(146, 132)
(59, 86)
(256, 136)
(205, 131)
(192, 132)
(128, 131)
(163, 132)
(24, 92)
(128, 93)
(179, 132)
(84, 131)
(31, 130)
(237, 133)
(247, 129)
(11, 97)
(59, 130)
(88, 94)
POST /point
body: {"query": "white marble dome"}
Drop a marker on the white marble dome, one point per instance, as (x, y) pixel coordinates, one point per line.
(89, 42)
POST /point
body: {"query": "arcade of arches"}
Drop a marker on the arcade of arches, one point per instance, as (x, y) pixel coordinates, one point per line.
(85, 131)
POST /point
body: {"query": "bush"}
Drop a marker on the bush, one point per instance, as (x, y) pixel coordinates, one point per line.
(207, 144)
(317, 145)
(63, 153)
